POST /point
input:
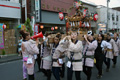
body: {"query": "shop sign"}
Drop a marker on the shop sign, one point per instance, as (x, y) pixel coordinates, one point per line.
(32, 22)
(37, 9)
(36, 29)
(43, 5)
(23, 3)
(54, 8)
(48, 6)
(37, 6)
(1, 37)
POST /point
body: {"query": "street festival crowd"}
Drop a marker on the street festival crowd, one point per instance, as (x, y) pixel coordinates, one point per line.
(69, 53)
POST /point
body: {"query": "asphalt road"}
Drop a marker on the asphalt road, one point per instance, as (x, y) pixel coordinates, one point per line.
(13, 71)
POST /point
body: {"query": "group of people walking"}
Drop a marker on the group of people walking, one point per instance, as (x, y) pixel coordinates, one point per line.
(69, 52)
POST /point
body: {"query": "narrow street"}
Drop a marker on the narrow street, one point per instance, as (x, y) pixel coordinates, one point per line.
(13, 71)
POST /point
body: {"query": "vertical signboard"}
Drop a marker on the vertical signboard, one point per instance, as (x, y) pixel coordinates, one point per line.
(37, 10)
(32, 22)
(1, 37)
(23, 3)
(36, 29)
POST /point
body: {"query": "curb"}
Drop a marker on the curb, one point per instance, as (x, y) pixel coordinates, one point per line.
(10, 58)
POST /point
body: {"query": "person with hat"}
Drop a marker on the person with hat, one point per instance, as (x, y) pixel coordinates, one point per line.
(88, 54)
(19, 46)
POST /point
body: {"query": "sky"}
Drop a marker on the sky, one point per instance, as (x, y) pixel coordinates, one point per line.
(113, 3)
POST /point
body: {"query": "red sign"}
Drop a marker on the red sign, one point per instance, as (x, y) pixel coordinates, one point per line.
(95, 17)
(61, 16)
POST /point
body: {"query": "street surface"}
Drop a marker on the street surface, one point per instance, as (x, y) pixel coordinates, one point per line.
(13, 71)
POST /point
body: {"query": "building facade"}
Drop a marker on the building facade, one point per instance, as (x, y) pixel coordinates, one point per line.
(113, 19)
(10, 13)
(46, 13)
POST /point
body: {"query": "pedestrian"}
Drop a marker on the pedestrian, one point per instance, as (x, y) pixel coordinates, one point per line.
(113, 51)
(29, 48)
(117, 41)
(88, 55)
(74, 55)
(46, 59)
(19, 46)
(99, 55)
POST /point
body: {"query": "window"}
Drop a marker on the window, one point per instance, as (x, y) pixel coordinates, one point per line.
(108, 16)
(113, 23)
(113, 17)
(117, 18)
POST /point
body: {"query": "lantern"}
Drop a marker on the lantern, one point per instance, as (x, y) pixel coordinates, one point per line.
(85, 13)
(77, 4)
(41, 26)
(61, 16)
(95, 17)
(56, 27)
(67, 24)
(52, 28)
(4, 26)
(80, 24)
(89, 25)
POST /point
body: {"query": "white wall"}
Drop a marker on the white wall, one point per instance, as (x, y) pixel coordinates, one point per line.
(102, 12)
(8, 12)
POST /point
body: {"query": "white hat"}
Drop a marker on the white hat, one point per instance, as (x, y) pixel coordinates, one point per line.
(89, 33)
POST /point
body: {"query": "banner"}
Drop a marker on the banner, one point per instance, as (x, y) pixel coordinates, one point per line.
(1, 37)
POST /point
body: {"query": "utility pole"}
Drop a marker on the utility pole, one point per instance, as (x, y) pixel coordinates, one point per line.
(25, 9)
(107, 15)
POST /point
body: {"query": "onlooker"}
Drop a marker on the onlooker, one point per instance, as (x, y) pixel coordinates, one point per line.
(19, 46)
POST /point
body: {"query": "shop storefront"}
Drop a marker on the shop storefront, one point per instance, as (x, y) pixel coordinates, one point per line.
(51, 22)
(10, 15)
